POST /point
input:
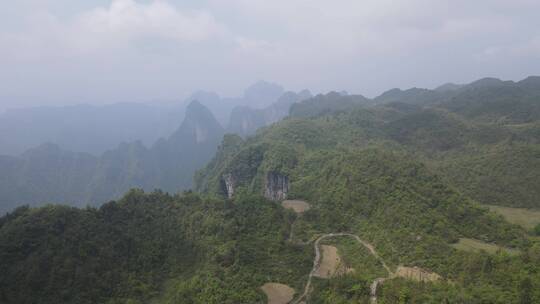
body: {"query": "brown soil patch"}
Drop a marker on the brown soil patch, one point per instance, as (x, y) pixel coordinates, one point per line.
(416, 274)
(297, 206)
(278, 293)
(329, 263)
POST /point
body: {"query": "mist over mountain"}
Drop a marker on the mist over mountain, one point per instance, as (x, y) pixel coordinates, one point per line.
(96, 129)
(326, 103)
(261, 94)
(86, 128)
(269, 152)
(50, 174)
(399, 187)
(245, 120)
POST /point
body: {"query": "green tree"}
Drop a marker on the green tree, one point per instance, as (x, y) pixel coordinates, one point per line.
(537, 230)
(525, 290)
(404, 296)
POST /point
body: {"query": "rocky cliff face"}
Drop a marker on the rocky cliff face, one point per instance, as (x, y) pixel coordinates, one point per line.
(228, 184)
(276, 186)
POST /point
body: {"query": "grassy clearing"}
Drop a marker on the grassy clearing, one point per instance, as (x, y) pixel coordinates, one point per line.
(527, 218)
(473, 245)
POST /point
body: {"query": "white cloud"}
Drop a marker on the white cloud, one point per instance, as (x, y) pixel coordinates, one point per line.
(122, 24)
(255, 46)
(164, 47)
(126, 20)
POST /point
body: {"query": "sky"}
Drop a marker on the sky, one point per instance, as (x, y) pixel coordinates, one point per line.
(62, 52)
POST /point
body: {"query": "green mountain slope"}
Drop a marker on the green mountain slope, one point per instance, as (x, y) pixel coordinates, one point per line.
(153, 247)
(382, 174)
(404, 177)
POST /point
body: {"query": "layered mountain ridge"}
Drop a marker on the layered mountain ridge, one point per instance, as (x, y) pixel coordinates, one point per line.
(403, 178)
(49, 174)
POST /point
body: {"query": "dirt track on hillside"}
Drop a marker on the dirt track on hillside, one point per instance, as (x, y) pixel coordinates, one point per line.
(317, 262)
(327, 267)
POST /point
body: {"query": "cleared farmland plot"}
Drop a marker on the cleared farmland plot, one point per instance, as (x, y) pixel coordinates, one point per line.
(527, 218)
(473, 245)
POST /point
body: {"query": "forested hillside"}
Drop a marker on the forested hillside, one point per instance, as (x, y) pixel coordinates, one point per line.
(483, 138)
(50, 173)
(147, 248)
(405, 178)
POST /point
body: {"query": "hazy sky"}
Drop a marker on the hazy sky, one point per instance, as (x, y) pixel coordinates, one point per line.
(101, 51)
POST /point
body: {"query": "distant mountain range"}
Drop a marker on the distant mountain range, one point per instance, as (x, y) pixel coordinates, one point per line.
(246, 120)
(404, 174)
(458, 114)
(49, 174)
(96, 129)
(482, 138)
(87, 128)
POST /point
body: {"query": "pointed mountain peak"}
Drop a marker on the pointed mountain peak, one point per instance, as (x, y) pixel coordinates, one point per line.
(197, 111)
(194, 104)
(199, 123)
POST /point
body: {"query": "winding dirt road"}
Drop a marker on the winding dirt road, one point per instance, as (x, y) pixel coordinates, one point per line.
(317, 261)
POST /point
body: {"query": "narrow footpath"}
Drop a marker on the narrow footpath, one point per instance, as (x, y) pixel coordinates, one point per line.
(317, 261)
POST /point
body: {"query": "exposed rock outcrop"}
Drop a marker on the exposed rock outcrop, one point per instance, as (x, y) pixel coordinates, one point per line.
(228, 183)
(276, 186)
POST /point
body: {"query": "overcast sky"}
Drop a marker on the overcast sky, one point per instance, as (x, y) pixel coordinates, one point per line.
(56, 52)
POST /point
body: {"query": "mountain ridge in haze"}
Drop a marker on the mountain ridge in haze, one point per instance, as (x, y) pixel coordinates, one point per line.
(50, 174)
(245, 120)
(38, 175)
(96, 129)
